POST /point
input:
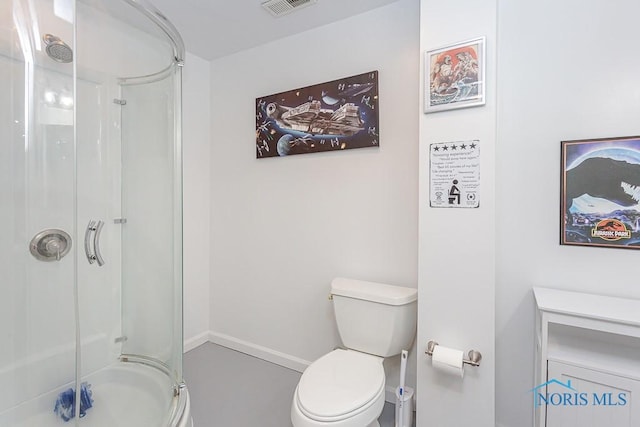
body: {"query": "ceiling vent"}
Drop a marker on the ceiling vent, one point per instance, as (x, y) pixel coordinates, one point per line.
(282, 7)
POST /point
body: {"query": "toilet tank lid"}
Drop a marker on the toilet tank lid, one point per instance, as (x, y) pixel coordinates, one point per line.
(372, 291)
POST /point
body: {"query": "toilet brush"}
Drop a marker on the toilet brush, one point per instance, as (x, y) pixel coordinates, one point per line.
(400, 407)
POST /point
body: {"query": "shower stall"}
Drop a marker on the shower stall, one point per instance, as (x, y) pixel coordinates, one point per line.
(91, 207)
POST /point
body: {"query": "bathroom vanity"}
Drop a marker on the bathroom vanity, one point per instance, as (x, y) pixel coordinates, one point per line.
(587, 368)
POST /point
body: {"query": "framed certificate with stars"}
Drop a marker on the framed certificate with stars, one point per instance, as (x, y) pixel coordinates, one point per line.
(454, 179)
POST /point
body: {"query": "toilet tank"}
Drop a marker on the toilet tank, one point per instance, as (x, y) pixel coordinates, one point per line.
(373, 317)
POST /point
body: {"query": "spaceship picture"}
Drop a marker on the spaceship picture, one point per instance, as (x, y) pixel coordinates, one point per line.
(311, 118)
(346, 91)
(336, 115)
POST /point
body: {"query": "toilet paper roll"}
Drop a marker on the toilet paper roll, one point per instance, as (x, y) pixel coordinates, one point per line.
(448, 360)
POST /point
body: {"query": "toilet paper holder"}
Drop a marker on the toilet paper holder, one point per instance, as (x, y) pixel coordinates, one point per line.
(474, 356)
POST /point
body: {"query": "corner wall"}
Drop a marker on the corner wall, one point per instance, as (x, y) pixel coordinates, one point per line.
(282, 228)
(196, 143)
(568, 70)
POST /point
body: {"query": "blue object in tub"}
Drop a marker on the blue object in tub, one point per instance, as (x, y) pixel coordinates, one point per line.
(65, 404)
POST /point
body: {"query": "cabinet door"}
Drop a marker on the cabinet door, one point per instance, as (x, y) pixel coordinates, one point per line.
(597, 399)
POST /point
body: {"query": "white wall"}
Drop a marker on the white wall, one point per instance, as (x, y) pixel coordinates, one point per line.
(282, 228)
(196, 142)
(457, 261)
(568, 70)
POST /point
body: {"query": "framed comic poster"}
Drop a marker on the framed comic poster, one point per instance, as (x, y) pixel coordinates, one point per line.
(455, 76)
(600, 192)
(331, 116)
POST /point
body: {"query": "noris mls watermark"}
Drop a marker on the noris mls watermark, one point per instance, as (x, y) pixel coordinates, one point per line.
(557, 393)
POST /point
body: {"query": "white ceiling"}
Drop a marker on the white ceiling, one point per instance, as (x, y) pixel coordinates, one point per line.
(215, 28)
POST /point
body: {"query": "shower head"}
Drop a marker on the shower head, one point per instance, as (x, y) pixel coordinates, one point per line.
(57, 49)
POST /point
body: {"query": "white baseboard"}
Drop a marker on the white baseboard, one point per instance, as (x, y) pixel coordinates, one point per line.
(264, 353)
(259, 351)
(196, 341)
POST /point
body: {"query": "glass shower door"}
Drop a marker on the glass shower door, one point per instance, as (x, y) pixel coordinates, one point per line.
(98, 269)
(128, 184)
(90, 197)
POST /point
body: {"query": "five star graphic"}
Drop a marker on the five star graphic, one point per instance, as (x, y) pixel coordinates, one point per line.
(453, 147)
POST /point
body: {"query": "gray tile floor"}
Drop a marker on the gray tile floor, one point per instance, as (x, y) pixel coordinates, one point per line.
(232, 389)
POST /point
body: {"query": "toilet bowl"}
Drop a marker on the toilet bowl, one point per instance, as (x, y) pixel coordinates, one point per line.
(344, 388)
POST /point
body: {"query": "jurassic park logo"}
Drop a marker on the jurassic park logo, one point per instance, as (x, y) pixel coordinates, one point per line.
(611, 230)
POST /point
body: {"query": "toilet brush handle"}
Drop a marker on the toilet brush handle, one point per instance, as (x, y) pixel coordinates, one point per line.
(403, 369)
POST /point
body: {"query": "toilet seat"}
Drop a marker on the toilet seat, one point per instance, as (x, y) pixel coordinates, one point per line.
(340, 385)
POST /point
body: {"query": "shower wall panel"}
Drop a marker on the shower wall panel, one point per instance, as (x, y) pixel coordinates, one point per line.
(38, 163)
(148, 174)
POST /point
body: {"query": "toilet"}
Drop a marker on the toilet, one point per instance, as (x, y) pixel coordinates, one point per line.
(346, 387)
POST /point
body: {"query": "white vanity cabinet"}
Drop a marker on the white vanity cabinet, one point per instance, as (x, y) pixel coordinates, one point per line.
(587, 371)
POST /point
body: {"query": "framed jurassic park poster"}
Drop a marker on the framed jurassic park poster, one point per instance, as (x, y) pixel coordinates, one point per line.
(600, 192)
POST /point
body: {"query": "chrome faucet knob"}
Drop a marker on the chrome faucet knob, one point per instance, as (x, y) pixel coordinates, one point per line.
(50, 245)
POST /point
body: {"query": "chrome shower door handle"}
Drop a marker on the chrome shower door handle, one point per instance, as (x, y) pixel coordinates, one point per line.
(87, 241)
(96, 243)
(93, 254)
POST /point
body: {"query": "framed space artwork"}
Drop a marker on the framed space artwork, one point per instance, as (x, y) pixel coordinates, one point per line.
(455, 76)
(337, 115)
(600, 193)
